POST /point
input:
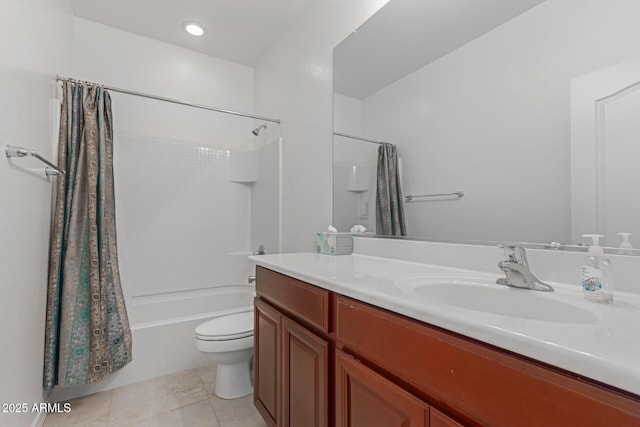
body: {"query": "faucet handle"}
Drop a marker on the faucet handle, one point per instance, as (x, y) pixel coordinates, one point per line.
(514, 253)
(260, 251)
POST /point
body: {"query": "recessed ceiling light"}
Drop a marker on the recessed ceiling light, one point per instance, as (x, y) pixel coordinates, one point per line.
(193, 28)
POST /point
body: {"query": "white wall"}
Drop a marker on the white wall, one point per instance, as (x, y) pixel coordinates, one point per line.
(347, 117)
(293, 81)
(35, 44)
(454, 131)
(121, 59)
(354, 168)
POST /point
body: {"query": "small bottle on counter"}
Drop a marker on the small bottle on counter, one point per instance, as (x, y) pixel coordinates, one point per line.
(597, 277)
(626, 248)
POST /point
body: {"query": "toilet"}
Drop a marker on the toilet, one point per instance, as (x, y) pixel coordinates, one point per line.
(228, 340)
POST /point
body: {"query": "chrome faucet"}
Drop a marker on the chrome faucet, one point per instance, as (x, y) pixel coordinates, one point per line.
(517, 270)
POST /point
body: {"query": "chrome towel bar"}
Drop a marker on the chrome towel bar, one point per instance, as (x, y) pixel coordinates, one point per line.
(346, 135)
(410, 197)
(13, 151)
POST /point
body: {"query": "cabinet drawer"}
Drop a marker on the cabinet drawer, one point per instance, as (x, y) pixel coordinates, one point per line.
(295, 298)
(475, 382)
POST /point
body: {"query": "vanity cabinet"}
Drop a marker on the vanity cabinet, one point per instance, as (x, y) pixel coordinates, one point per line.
(292, 351)
(323, 359)
(366, 399)
(471, 381)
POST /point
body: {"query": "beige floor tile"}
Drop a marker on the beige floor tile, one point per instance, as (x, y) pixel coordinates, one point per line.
(143, 400)
(184, 399)
(237, 412)
(88, 411)
(196, 415)
(200, 414)
(207, 375)
(166, 419)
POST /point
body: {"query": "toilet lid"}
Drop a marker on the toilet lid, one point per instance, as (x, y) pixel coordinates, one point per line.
(229, 327)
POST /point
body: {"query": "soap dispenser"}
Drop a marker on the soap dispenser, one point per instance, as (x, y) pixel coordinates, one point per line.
(626, 247)
(597, 278)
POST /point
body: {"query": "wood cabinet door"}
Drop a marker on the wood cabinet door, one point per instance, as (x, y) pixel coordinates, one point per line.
(366, 399)
(305, 366)
(266, 385)
(438, 419)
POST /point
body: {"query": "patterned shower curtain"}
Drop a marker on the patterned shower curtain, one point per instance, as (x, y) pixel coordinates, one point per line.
(87, 329)
(389, 203)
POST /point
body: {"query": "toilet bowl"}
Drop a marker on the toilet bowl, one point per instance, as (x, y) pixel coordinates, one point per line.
(228, 340)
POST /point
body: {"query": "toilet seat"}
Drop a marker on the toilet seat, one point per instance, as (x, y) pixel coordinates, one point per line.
(224, 328)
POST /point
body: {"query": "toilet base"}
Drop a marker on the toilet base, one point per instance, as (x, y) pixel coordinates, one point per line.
(234, 380)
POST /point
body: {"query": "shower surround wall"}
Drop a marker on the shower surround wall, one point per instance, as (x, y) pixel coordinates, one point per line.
(185, 214)
(182, 224)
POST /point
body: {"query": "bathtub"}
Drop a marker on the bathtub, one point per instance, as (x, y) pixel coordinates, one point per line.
(158, 310)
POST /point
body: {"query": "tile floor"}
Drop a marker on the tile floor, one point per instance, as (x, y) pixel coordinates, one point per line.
(184, 399)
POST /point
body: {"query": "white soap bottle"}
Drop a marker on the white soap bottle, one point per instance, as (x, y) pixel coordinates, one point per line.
(626, 248)
(597, 277)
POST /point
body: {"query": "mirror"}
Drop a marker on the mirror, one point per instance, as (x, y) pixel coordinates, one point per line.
(489, 98)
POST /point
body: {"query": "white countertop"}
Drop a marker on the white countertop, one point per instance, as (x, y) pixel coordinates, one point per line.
(605, 348)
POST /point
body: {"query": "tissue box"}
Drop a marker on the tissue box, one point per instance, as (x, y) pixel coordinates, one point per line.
(334, 243)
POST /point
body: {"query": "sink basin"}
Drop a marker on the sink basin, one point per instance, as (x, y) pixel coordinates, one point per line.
(483, 295)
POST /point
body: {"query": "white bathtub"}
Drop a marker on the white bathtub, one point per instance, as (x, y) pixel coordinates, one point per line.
(151, 311)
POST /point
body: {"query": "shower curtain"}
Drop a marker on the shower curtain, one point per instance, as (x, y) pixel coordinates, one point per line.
(389, 207)
(87, 329)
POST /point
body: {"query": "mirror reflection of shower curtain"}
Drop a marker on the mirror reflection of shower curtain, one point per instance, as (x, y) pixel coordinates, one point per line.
(389, 203)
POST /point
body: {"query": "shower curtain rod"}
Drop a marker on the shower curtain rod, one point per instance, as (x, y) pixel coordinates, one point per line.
(360, 138)
(176, 101)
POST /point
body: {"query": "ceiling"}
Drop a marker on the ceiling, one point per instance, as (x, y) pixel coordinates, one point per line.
(237, 30)
(406, 35)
